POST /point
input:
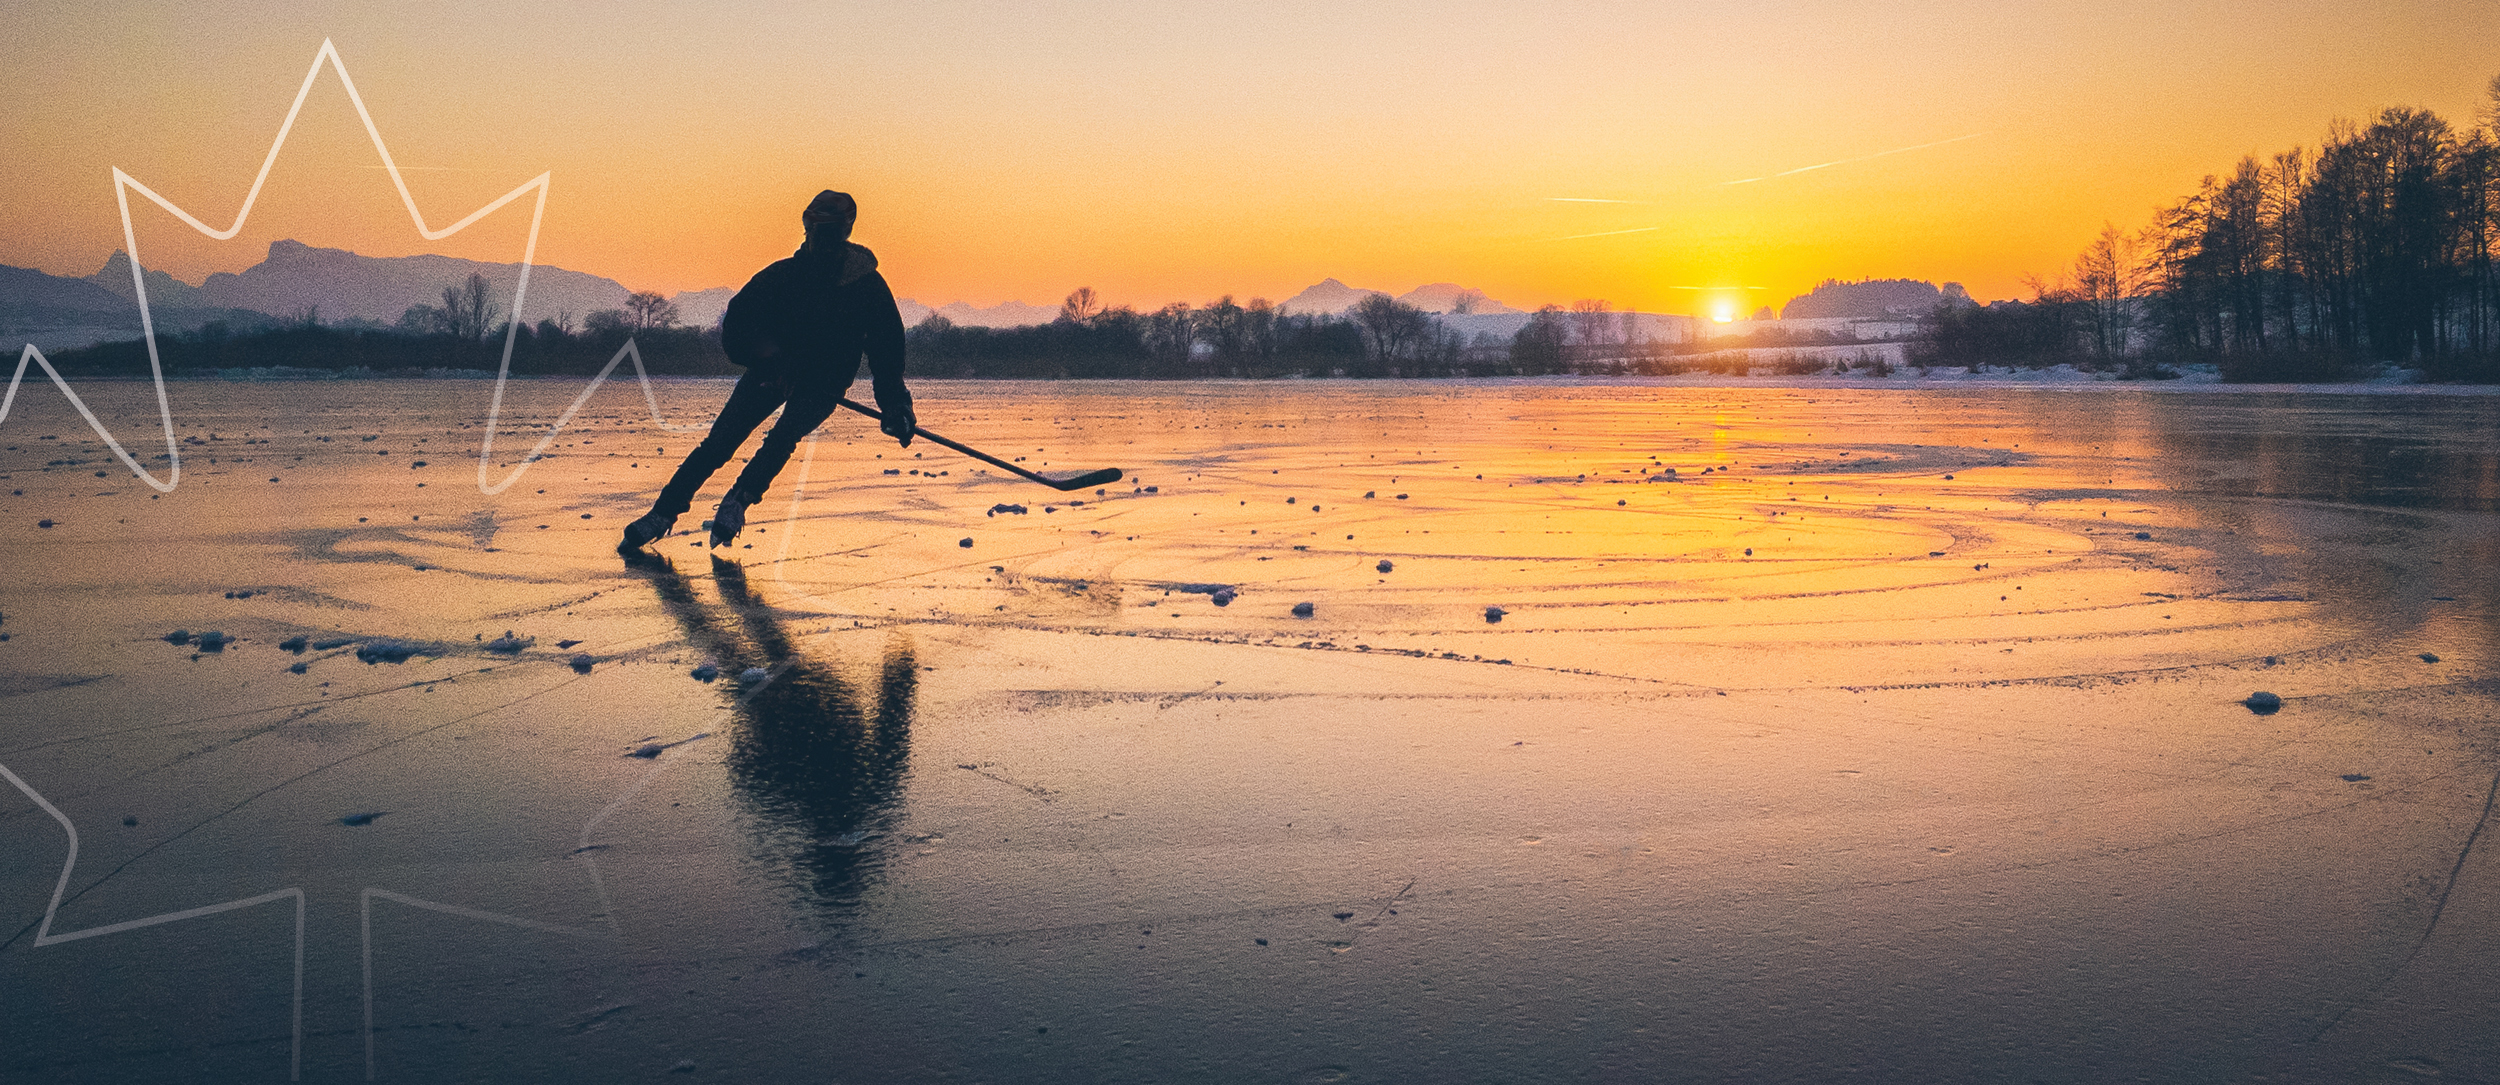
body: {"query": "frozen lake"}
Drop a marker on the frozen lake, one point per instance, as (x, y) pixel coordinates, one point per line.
(1824, 733)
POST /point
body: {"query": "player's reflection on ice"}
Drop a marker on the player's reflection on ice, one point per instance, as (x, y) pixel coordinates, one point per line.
(817, 760)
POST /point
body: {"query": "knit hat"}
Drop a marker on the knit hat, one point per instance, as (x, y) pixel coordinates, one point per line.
(829, 206)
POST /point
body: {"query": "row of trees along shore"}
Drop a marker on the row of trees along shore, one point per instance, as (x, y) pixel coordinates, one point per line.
(1379, 337)
(2377, 247)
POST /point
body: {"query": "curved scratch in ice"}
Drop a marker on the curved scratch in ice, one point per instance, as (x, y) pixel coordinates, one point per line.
(364, 903)
(607, 909)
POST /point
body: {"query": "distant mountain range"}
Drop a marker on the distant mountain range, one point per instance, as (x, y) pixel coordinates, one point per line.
(57, 313)
(1006, 314)
(334, 285)
(1334, 298)
(339, 285)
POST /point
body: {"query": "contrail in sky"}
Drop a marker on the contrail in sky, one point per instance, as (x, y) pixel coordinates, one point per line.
(1587, 199)
(1606, 233)
(1846, 161)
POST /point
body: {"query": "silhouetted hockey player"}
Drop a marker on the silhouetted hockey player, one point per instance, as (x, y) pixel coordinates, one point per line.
(799, 328)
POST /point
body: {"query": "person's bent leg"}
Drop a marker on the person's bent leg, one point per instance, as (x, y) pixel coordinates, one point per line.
(805, 412)
(749, 404)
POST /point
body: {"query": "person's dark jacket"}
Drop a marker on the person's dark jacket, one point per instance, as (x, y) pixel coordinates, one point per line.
(808, 319)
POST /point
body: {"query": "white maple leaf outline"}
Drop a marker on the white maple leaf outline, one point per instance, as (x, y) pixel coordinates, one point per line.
(123, 184)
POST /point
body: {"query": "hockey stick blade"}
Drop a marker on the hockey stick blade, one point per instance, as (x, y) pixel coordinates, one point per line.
(1102, 477)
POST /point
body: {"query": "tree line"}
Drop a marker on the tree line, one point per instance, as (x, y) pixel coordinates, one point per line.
(2378, 246)
(465, 332)
(1379, 337)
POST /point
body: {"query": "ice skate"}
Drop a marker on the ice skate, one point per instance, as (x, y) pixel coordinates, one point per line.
(730, 518)
(643, 532)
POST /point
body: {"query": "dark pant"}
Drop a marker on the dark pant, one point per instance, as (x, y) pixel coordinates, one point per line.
(803, 408)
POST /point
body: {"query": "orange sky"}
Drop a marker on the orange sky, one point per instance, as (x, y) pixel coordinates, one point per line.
(1172, 151)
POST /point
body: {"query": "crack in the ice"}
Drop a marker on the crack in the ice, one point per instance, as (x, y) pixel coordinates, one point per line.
(2454, 872)
(273, 788)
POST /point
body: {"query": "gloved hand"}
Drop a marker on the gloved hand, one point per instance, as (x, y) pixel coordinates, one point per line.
(898, 420)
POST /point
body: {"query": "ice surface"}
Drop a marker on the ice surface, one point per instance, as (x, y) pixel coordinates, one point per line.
(1825, 732)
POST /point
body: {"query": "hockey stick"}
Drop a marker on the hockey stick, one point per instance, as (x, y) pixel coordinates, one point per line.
(1103, 477)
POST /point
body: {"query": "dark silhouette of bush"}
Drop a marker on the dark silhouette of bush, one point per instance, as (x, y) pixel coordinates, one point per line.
(2009, 333)
(540, 351)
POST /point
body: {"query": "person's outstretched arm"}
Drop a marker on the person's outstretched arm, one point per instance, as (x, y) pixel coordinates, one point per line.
(883, 343)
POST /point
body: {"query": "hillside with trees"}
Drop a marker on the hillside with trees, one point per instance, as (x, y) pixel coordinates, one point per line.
(2376, 247)
(1871, 299)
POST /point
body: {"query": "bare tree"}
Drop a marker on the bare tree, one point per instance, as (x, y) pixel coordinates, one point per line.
(1258, 328)
(468, 309)
(649, 310)
(2108, 276)
(1395, 327)
(1081, 305)
(1220, 328)
(1592, 323)
(1168, 335)
(1467, 301)
(2478, 210)
(2281, 214)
